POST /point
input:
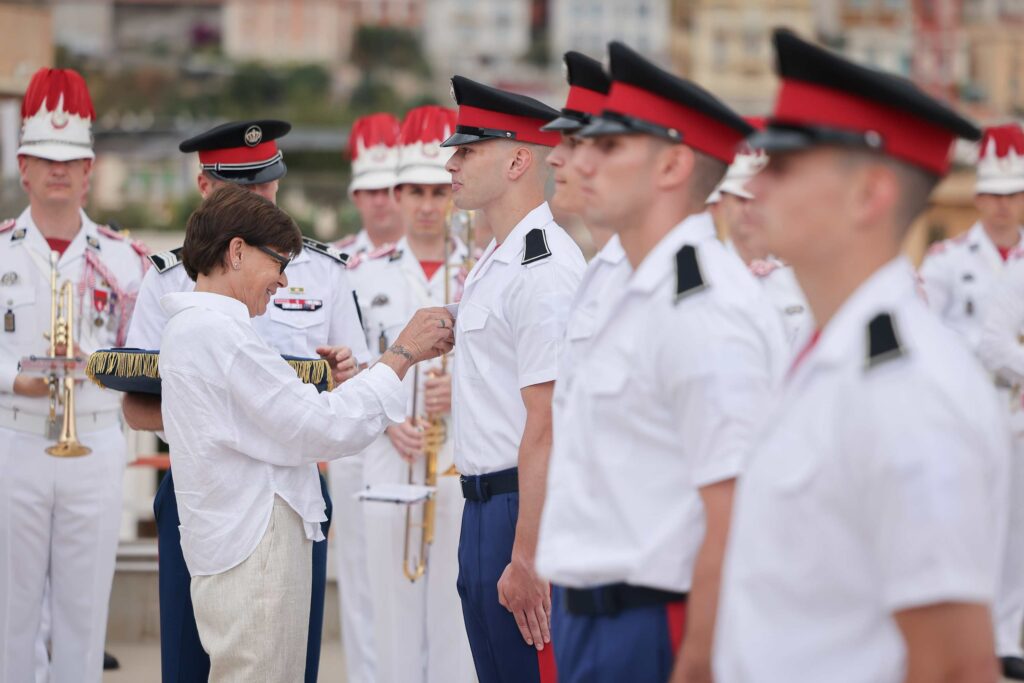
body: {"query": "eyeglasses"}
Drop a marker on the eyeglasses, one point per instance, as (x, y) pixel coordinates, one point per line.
(282, 261)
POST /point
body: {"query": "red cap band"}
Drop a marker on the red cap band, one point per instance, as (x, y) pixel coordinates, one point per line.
(904, 136)
(526, 129)
(265, 151)
(701, 132)
(585, 100)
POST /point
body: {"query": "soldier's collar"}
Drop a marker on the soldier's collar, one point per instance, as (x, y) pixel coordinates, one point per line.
(661, 261)
(512, 248)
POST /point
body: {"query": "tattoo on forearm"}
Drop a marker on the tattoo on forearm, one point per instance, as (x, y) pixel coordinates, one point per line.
(400, 350)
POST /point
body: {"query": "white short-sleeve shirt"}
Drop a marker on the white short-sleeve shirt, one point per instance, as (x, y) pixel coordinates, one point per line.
(879, 485)
(317, 308)
(509, 331)
(665, 400)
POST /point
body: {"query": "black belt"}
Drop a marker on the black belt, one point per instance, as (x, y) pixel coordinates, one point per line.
(614, 598)
(481, 487)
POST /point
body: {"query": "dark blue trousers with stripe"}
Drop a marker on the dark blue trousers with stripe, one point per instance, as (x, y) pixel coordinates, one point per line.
(182, 657)
(485, 548)
(637, 645)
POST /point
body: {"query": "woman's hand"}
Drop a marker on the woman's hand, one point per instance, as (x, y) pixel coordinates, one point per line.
(428, 335)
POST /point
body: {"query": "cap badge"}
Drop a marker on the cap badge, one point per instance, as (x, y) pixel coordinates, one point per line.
(430, 150)
(253, 136)
(451, 91)
(59, 119)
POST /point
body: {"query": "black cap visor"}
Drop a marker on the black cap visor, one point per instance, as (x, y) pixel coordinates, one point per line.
(566, 123)
(253, 177)
(467, 135)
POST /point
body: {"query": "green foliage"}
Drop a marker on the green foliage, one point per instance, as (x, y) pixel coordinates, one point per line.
(396, 48)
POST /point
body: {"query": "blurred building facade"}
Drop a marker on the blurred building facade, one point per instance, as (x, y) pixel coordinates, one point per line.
(588, 25)
(475, 37)
(288, 31)
(397, 13)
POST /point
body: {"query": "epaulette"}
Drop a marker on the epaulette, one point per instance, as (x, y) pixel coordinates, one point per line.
(166, 260)
(883, 341)
(326, 250)
(936, 248)
(689, 278)
(388, 249)
(345, 242)
(7, 225)
(537, 248)
(108, 231)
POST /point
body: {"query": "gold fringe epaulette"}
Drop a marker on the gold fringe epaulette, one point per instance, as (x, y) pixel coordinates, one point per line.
(313, 371)
(134, 364)
(123, 364)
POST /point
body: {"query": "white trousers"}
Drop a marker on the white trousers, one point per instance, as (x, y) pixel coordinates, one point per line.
(59, 519)
(418, 627)
(348, 546)
(253, 619)
(1008, 607)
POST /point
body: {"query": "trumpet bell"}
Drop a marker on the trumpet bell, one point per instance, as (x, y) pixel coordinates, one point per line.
(68, 449)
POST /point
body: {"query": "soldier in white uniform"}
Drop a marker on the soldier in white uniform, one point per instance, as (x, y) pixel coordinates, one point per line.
(661, 404)
(315, 314)
(61, 516)
(373, 148)
(510, 328)
(959, 276)
(869, 523)
(418, 628)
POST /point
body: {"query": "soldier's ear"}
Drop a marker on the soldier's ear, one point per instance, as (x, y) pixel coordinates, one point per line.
(520, 162)
(674, 166)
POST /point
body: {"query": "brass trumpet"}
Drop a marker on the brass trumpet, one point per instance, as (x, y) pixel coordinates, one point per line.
(62, 388)
(433, 440)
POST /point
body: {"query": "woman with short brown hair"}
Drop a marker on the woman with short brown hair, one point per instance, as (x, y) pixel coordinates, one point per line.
(243, 430)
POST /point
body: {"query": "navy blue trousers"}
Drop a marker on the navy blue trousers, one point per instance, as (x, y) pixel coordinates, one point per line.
(637, 645)
(500, 654)
(182, 657)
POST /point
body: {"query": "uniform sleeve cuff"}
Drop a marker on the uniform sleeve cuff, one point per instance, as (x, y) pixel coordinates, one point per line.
(538, 377)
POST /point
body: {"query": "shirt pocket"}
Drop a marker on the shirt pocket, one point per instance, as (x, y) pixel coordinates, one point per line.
(472, 339)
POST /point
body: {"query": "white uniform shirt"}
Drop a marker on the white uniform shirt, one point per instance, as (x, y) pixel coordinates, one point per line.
(242, 428)
(1000, 347)
(876, 488)
(509, 331)
(317, 308)
(665, 400)
(391, 288)
(106, 272)
(784, 293)
(958, 275)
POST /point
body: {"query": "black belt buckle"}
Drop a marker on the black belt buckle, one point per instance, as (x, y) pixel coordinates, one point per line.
(475, 488)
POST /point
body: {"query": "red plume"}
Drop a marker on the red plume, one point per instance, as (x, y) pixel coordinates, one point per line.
(373, 130)
(48, 85)
(1006, 137)
(429, 123)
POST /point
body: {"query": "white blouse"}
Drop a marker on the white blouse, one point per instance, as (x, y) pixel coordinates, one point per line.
(242, 428)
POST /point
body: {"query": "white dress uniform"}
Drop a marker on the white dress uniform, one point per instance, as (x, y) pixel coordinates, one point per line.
(843, 516)
(779, 283)
(357, 244)
(418, 628)
(959, 277)
(60, 517)
(689, 343)
(509, 328)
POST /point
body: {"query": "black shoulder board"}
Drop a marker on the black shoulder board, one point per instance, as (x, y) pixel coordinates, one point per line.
(166, 260)
(325, 249)
(689, 278)
(537, 247)
(883, 341)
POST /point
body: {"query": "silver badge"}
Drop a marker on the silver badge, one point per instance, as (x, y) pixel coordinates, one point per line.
(253, 136)
(451, 91)
(9, 278)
